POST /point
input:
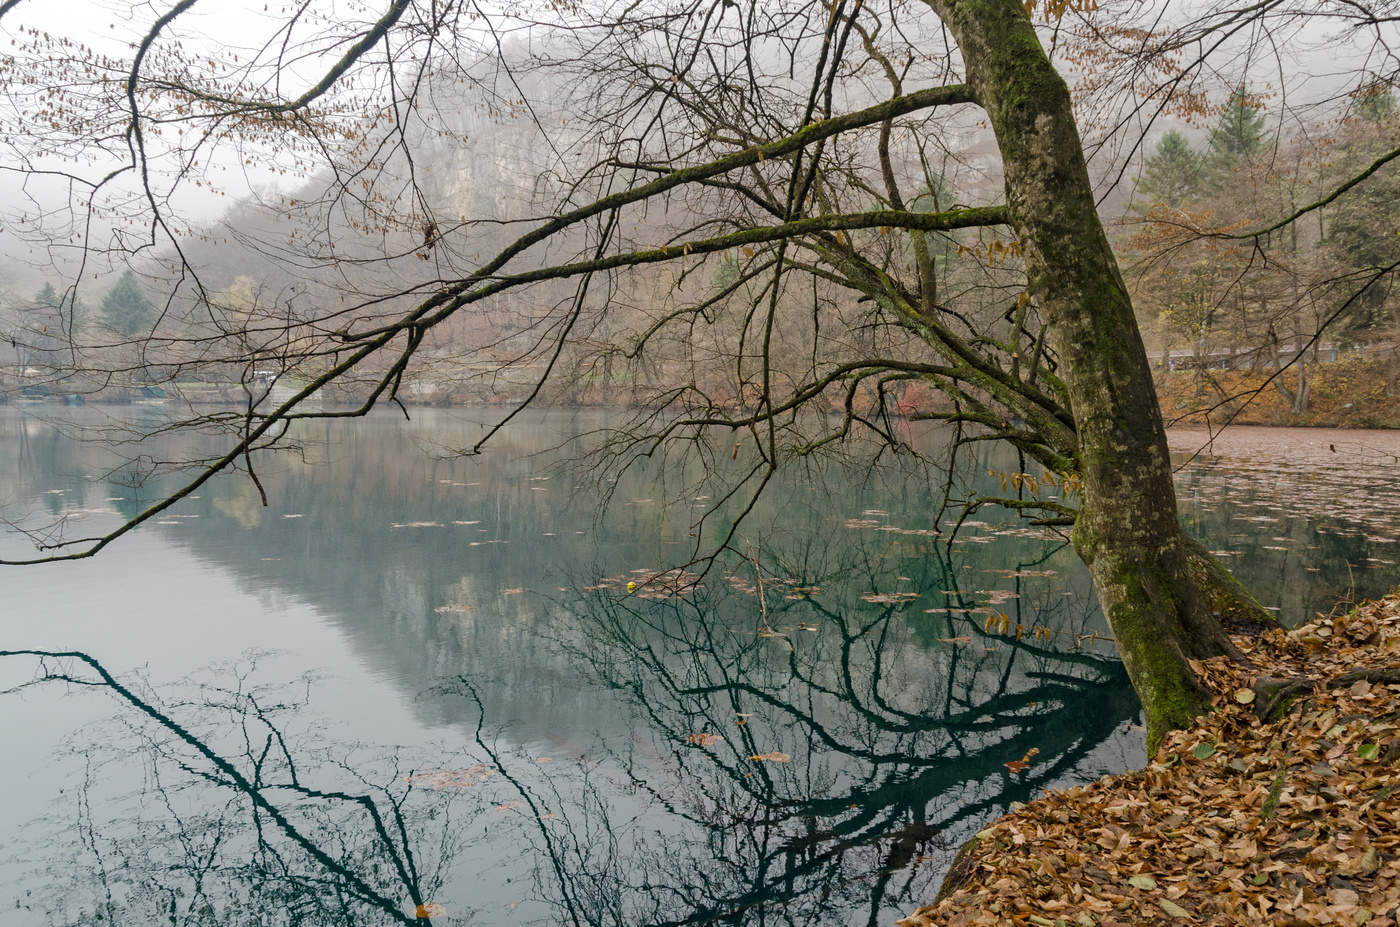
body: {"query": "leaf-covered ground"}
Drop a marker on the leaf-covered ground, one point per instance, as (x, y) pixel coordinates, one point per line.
(1294, 820)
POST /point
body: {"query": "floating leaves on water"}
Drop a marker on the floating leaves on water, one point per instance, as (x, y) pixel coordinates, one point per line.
(776, 756)
(454, 609)
(425, 911)
(704, 739)
(998, 596)
(516, 590)
(650, 584)
(509, 805)
(412, 524)
(889, 598)
(1024, 762)
(453, 778)
(294, 515)
(963, 639)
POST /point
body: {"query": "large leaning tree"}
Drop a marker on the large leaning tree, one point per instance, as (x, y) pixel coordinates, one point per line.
(756, 214)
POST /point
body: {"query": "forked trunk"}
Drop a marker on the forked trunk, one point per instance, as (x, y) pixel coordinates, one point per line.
(1127, 531)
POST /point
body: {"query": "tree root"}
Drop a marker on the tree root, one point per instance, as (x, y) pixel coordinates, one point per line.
(1272, 693)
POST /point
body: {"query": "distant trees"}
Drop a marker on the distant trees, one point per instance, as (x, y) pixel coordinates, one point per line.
(1361, 227)
(1213, 287)
(125, 308)
(1173, 174)
(1236, 138)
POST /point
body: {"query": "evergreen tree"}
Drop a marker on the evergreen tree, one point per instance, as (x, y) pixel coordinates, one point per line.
(1361, 234)
(125, 307)
(1238, 136)
(45, 328)
(1173, 173)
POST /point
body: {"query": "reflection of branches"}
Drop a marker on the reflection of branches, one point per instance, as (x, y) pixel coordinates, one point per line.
(346, 877)
(891, 749)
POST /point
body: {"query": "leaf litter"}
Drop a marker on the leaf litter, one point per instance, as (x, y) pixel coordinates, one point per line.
(1291, 820)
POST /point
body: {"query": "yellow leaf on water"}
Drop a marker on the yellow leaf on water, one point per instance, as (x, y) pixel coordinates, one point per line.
(428, 910)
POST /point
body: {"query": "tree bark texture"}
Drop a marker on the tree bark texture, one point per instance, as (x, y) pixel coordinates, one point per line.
(1127, 531)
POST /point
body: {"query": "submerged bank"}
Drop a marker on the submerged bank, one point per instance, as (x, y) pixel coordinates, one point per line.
(1279, 807)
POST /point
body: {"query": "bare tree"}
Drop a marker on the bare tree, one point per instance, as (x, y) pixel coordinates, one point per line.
(786, 167)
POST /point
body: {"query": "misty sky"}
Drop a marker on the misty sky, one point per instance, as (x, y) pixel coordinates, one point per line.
(112, 27)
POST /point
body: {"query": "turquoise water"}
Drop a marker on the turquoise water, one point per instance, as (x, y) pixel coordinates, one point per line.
(420, 679)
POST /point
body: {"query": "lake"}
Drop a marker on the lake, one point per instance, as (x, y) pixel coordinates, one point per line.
(477, 688)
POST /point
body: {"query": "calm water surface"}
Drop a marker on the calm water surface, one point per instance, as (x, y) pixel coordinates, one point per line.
(416, 679)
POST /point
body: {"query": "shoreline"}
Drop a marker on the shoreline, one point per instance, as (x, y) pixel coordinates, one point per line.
(1281, 806)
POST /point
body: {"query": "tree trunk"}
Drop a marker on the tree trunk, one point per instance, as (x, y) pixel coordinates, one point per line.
(1127, 531)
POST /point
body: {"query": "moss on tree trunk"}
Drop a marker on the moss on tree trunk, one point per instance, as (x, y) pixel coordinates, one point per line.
(1127, 531)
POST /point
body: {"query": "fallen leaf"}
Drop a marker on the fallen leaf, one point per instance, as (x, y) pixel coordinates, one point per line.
(775, 756)
(1172, 908)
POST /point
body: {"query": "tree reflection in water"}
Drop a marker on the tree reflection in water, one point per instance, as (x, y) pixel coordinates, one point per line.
(234, 820)
(887, 735)
(881, 761)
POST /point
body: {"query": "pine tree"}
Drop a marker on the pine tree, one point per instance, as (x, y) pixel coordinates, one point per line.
(125, 307)
(1173, 174)
(1238, 136)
